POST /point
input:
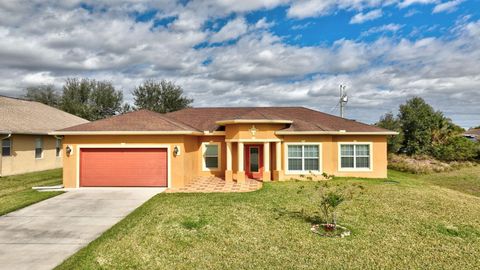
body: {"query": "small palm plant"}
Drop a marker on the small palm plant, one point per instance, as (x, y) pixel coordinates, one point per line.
(328, 204)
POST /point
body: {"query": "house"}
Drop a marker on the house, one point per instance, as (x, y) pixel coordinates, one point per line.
(145, 148)
(472, 134)
(24, 128)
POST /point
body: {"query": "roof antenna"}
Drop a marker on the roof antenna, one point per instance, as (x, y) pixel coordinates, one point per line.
(343, 99)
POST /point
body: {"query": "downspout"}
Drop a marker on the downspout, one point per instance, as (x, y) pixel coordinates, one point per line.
(1, 157)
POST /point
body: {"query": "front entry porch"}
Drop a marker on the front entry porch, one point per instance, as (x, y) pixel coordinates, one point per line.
(208, 184)
(253, 160)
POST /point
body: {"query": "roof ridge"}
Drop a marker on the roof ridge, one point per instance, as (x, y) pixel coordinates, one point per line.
(176, 122)
(262, 114)
(241, 107)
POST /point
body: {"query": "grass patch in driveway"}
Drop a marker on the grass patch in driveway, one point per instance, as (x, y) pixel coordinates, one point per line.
(404, 223)
(16, 191)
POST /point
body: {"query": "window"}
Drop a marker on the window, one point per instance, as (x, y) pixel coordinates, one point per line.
(355, 156)
(58, 147)
(6, 147)
(38, 148)
(303, 157)
(211, 156)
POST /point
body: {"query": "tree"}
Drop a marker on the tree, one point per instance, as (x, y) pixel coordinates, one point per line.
(91, 99)
(418, 120)
(388, 121)
(444, 129)
(105, 101)
(457, 148)
(46, 94)
(126, 108)
(162, 97)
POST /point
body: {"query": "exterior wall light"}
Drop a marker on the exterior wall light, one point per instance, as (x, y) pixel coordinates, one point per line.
(69, 150)
(176, 150)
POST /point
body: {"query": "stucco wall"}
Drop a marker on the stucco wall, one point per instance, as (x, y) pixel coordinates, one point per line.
(22, 158)
(330, 145)
(243, 131)
(188, 165)
(183, 167)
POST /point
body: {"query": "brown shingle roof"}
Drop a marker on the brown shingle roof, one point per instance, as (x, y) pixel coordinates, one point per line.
(304, 119)
(20, 116)
(205, 119)
(142, 120)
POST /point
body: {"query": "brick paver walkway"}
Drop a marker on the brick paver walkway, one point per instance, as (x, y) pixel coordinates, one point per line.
(215, 184)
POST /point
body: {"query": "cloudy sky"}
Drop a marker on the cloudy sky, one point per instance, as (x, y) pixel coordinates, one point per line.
(255, 53)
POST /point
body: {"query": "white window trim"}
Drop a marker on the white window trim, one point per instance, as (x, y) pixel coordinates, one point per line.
(204, 148)
(340, 169)
(10, 146)
(35, 148)
(320, 154)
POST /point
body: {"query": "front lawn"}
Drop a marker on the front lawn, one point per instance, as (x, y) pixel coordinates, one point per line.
(405, 222)
(16, 191)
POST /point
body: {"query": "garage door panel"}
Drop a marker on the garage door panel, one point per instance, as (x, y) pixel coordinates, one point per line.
(123, 167)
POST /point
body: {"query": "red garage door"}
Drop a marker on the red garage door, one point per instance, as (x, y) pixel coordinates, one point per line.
(123, 167)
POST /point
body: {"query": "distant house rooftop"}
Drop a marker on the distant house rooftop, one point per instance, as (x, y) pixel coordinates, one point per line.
(473, 134)
(19, 116)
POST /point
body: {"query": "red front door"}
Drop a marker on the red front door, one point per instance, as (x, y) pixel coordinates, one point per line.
(254, 161)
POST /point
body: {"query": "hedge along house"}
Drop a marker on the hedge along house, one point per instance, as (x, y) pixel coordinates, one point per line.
(24, 128)
(145, 148)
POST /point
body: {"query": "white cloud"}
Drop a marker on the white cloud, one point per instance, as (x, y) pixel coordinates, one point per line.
(407, 3)
(263, 24)
(232, 30)
(447, 6)
(363, 17)
(391, 27)
(48, 42)
(411, 12)
(309, 8)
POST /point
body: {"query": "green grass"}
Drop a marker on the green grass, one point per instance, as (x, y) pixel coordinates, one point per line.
(16, 191)
(467, 181)
(407, 221)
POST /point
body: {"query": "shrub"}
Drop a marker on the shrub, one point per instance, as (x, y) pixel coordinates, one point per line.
(424, 164)
(456, 149)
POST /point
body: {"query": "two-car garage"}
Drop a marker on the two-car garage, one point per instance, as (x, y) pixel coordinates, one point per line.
(123, 167)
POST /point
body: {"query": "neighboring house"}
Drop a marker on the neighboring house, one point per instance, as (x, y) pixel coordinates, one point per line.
(145, 148)
(24, 128)
(472, 134)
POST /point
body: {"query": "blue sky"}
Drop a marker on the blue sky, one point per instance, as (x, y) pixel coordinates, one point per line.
(255, 53)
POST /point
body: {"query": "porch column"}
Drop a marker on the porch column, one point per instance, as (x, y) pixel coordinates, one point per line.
(266, 161)
(241, 172)
(228, 172)
(278, 173)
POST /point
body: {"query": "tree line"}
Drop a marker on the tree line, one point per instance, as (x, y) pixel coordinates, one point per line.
(424, 131)
(94, 100)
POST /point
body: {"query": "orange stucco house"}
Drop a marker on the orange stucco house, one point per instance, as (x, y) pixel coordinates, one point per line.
(145, 148)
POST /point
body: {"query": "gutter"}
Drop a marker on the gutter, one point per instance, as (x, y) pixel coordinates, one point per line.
(340, 132)
(253, 121)
(125, 133)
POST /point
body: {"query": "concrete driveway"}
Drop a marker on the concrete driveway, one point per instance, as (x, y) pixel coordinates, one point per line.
(43, 235)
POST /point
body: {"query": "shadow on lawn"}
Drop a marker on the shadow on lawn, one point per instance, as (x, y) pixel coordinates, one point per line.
(311, 218)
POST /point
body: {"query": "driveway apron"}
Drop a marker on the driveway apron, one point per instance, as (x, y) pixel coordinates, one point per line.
(43, 235)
